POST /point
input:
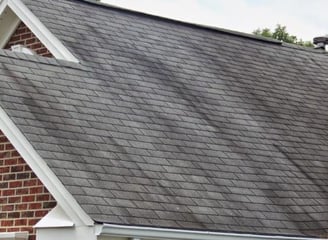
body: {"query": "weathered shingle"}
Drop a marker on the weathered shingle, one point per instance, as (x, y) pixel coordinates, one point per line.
(172, 125)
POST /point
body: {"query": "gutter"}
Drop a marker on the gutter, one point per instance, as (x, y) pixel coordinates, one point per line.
(134, 232)
(14, 235)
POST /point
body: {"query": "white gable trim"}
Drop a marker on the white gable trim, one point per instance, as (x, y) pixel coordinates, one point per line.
(8, 24)
(135, 232)
(44, 173)
(39, 29)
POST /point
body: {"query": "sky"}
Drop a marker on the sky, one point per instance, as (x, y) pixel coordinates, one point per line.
(305, 19)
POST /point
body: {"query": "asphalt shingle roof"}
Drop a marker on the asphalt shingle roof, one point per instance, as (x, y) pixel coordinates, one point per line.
(173, 125)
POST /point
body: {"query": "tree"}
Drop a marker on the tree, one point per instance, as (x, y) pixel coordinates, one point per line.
(280, 33)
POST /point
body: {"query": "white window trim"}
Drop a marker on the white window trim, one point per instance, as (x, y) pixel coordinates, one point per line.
(51, 42)
(14, 236)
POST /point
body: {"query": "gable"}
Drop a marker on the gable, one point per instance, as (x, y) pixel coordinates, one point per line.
(12, 13)
(25, 37)
(23, 197)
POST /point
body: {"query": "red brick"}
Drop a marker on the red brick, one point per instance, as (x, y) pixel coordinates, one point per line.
(4, 170)
(21, 191)
(30, 182)
(24, 200)
(8, 146)
(14, 215)
(21, 222)
(7, 223)
(28, 214)
(7, 208)
(24, 36)
(8, 192)
(30, 41)
(18, 168)
(21, 207)
(32, 222)
(15, 199)
(29, 198)
(43, 197)
(36, 206)
(4, 185)
(9, 177)
(40, 213)
(15, 184)
(35, 190)
(36, 46)
(4, 154)
(10, 162)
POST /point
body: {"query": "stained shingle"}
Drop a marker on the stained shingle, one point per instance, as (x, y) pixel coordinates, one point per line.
(168, 124)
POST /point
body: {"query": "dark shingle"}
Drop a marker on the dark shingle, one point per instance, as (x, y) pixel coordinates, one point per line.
(172, 125)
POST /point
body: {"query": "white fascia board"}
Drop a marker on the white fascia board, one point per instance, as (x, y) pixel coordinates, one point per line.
(14, 235)
(44, 173)
(8, 24)
(3, 5)
(40, 30)
(163, 233)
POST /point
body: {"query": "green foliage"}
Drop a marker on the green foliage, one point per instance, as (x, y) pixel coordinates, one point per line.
(280, 33)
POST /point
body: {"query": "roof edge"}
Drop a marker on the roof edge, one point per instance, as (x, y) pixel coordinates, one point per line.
(190, 24)
(44, 173)
(164, 233)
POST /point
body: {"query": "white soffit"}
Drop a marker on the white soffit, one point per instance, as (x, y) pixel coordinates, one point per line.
(34, 24)
(44, 173)
(14, 236)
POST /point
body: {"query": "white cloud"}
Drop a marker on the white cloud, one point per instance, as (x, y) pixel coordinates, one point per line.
(303, 18)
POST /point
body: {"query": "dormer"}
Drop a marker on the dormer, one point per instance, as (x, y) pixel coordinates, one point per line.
(21, 31)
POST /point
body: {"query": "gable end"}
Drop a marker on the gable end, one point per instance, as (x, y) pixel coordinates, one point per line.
(24, 36)
(12, 12)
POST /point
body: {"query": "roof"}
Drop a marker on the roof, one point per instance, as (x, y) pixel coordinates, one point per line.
(168, 124)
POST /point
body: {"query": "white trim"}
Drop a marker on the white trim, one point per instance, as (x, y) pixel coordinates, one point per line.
(163, 233)
(44, 173)
(3, 5)
(56, 218)
(8, 24)
(14, 236)
(39, 29)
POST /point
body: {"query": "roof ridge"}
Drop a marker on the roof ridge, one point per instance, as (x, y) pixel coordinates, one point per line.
(202, 26)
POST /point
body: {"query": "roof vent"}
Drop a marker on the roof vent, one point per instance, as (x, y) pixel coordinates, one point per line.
(321, 42)
(22, 49)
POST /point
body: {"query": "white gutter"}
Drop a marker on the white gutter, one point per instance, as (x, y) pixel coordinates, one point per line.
(14, 235)
(162, 233)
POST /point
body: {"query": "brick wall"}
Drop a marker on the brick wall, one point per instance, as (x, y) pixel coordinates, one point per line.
(23, 198)
(24, 36)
